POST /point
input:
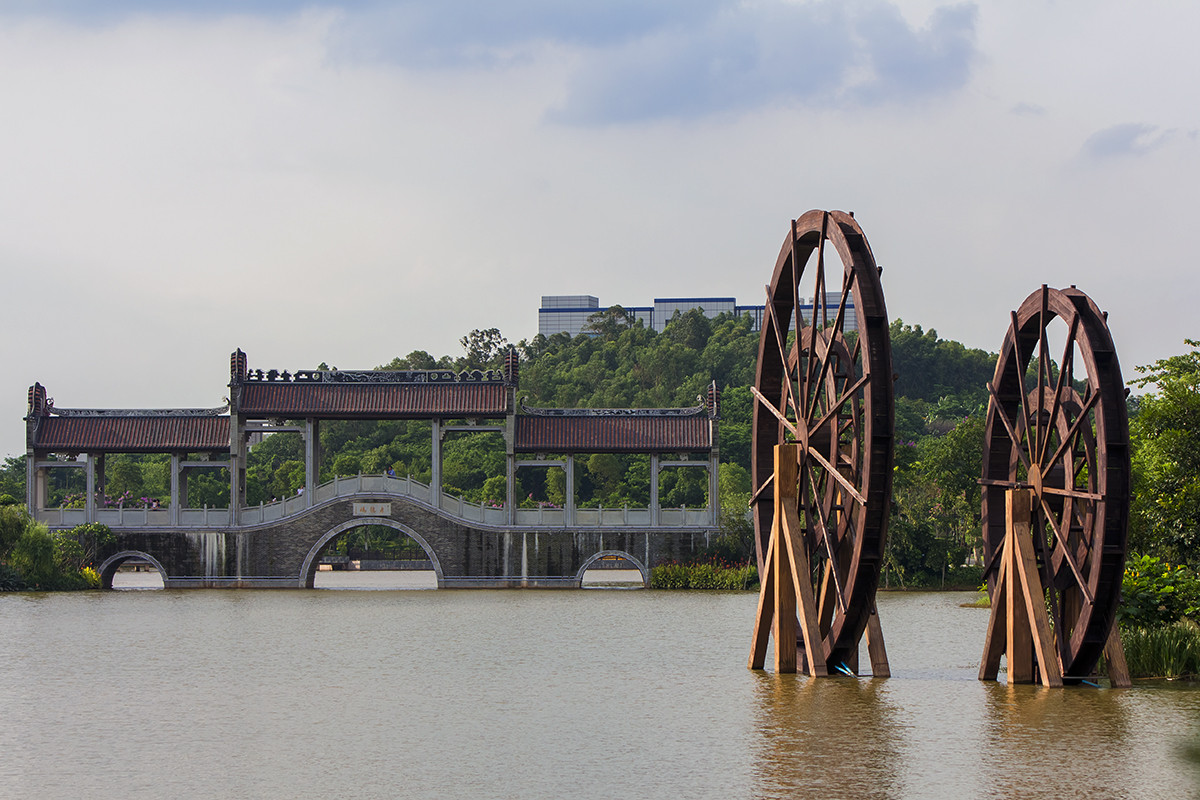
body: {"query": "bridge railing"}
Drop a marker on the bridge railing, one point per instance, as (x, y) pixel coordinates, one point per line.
(455, 506)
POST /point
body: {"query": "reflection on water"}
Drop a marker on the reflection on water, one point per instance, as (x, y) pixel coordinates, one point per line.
(537, 694)
(832, 738)
(379, 579)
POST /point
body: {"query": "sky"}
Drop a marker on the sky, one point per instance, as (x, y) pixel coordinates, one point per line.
(349, 182)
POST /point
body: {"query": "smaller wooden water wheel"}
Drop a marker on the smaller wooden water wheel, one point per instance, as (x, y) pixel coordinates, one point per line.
(822, 449)
(1057, 428)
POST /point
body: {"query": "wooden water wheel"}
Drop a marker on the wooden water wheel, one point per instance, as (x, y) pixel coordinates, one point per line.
(1057, 427)
(824, 405)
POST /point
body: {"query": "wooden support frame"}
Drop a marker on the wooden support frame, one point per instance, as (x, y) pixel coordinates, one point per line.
(1019, 626)
(787, 600)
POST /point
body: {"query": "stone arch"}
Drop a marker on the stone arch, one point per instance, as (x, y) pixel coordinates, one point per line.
(309, 569)
(109, 568)
(594, 557)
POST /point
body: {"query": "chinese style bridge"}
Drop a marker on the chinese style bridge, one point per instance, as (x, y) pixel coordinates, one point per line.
(279, 544)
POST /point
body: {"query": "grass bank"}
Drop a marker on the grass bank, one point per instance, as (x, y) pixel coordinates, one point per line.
(713, 573)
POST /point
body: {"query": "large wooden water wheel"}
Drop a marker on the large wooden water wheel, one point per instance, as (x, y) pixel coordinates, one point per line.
(823, 392)
(1057, 426)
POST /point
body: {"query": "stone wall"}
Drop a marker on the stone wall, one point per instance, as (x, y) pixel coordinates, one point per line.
(283, 554)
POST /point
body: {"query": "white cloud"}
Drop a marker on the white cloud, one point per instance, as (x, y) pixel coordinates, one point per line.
(178, 185)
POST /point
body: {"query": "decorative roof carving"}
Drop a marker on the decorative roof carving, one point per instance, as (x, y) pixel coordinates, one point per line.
(694, 411)
(138, 412)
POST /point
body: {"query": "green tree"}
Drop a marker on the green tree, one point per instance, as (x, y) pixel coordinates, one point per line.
(484, 349)
(12, 477)
(1165, 434)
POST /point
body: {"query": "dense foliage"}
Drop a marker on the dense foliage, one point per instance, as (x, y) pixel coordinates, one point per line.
(1165, 434)
(33, 558)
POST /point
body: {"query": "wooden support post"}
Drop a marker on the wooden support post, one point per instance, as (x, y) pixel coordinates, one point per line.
(1114, 656)
(875, 647)
(787, 583)
(1019, 627)
(766, 610)
(783, 627)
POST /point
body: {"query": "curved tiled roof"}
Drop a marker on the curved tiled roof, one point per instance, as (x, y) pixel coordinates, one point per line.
(372, 400)
(132, 434)
(645, 433)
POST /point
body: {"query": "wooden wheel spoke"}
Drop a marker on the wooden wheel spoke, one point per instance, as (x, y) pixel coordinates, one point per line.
(829, 548)
(1063, 384)
(1036, 443)
(838, 476)
(1065, 549)
(771, 407)
(767, 484)
(838, 321)
(841, 401)
(779, 341)
(1021, 365)
(1070, 438)
(1074, 493)
(1012, 434)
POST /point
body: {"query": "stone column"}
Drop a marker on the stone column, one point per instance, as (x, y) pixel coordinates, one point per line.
(175, 493)
(184, 502)
(654, 490)
(435, 480)
(714, 488)
(570, 492)
(312, 460)
(237, 466)
(31, 474)
(89, 502)
(510, 467)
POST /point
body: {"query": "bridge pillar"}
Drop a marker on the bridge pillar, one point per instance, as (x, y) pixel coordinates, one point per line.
(312, 459)
(570, 493)
(176, 494)
(714, 489)
(654, 490)
(89, 502)
(435, 480)
(237, 465)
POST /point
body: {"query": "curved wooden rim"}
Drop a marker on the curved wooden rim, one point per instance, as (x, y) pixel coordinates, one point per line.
(1092, 569)
(873, 393)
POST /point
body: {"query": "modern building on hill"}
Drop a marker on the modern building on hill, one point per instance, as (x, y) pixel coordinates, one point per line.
(569, 313)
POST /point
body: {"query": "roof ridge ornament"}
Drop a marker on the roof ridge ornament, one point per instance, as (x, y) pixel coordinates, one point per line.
(694, 411)
(139, 412)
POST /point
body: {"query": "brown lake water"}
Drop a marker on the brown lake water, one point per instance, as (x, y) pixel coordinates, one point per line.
(538, 694)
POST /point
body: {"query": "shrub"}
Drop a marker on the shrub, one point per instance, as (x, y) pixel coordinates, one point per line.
(712, 573)
(1156, 593)
(1163, 651)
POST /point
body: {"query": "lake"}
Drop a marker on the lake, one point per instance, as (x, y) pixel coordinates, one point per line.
(538, 694)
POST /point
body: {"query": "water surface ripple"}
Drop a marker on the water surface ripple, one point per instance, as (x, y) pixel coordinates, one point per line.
(537, 694)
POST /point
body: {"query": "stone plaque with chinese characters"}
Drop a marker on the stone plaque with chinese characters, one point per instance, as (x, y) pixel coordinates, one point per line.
(372, 509)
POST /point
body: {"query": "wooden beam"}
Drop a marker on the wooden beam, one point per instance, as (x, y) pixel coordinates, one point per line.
(766, 611)
(1020, 513)
(1114, 656)
(993, 643)
(1019, 626)
(802, 576)
(875, 647)
(783, 628)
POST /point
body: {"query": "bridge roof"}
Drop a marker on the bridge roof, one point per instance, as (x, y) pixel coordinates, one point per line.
(614, 432)
(372, 400)
(132, 433)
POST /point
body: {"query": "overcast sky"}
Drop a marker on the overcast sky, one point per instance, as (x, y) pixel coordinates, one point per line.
(348, 182)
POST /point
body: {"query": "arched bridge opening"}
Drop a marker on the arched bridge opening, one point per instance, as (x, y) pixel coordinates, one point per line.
(371, 553)
(613, 569)
(132, 569)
